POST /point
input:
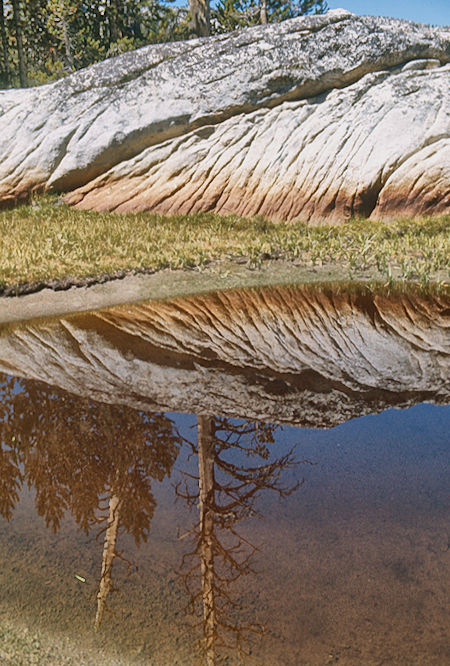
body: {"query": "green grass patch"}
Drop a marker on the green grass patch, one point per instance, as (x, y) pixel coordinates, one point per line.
(46, 241)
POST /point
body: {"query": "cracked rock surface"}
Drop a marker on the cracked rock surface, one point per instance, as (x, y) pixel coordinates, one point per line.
(298, 355)
(318, 118)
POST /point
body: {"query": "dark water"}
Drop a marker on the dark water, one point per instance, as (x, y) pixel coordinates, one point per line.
(206, 538)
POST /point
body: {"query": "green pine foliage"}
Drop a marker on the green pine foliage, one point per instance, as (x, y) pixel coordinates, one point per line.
(234, 14)
(61, 36)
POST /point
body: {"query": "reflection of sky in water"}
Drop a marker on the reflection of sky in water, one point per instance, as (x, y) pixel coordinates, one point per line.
(375, 454)
(355, 536)
(352, 566)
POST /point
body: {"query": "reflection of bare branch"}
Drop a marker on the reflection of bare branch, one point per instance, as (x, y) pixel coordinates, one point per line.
(221, 555)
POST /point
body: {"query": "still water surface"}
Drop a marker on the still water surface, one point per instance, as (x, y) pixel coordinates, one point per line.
(132, 535)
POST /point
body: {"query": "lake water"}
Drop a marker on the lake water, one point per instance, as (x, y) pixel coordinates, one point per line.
(258, 474)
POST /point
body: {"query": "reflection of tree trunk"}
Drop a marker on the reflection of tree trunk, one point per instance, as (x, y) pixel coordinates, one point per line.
(206, 452)
(18, 29)
(5, 58)
(109, 553)
(200, 18)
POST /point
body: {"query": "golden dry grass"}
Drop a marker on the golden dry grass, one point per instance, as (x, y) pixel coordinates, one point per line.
(46, 241)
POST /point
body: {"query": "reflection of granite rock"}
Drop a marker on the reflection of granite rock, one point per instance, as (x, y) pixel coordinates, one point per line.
(317, 118)
(306, 356)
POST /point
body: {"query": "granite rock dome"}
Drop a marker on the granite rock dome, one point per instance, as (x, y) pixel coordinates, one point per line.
(318, 118)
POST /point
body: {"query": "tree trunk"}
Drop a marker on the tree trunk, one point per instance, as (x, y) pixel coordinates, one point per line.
(18, 29)
(200, 18)
(109, 553)
(5, 54)
(206, 452)
(263, 12)
(114, 32)
(67, 45)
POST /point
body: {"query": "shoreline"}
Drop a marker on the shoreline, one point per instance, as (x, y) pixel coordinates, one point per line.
(59, 297)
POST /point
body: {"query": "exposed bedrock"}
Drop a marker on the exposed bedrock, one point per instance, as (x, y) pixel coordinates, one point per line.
(319, 118)
(303, 356)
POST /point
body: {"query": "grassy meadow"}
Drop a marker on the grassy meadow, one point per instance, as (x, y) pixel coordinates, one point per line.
(47, 241)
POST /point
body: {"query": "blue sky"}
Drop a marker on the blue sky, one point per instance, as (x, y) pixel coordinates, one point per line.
(424, 11)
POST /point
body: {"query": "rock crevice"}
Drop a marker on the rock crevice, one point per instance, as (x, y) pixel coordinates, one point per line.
(300, 120)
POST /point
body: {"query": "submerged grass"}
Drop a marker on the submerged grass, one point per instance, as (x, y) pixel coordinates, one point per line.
(47, 241)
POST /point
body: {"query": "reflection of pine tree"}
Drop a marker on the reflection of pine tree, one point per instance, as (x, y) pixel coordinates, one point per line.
(226, 494)
(95, 460)
(11, 477)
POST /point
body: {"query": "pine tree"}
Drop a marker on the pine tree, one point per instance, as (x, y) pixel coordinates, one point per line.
(235, 14)
(5, 73)
(43, 40)
(60, 14)
(19, 42)
(200, 24)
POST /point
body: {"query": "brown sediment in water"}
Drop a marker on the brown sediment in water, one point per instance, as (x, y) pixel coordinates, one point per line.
(353, 567)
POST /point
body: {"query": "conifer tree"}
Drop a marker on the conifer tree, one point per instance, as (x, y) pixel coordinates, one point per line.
(43, 40)
(19, 42)
(5, 76)
(235, 14)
